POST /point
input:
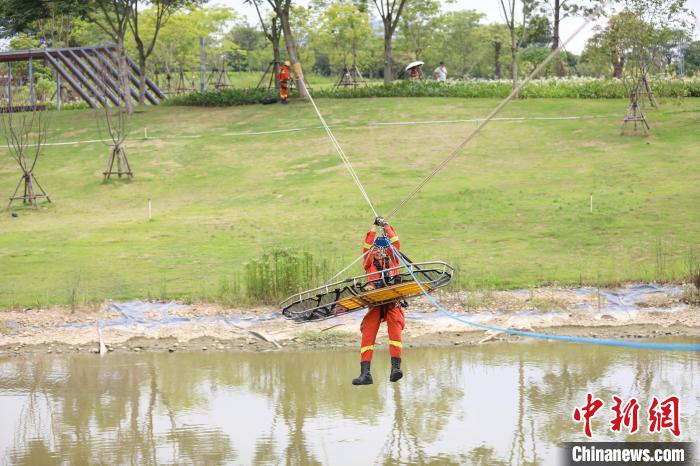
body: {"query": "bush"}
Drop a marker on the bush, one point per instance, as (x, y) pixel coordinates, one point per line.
(281, 273)
(221, 98)
(570, 88)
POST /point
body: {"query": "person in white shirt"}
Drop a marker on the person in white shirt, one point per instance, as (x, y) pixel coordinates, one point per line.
(440, 72)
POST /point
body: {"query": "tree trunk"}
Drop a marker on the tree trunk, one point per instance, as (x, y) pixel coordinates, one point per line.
(497, 59)
(555, 39)
(123, 70)
(617, 68)
(292, 54)
(142, 76)
(276, 56)
(513, 58)
(388, 61)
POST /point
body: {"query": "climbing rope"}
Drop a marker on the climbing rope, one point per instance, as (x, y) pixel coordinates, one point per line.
(330, 280)
(338, 148)
(544, 336)
(486, 121)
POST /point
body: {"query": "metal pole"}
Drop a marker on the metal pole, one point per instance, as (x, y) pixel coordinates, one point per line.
(9, 86)
(202, 65)
(31, 82)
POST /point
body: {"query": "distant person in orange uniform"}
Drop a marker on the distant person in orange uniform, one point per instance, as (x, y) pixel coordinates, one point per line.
(379, 257)
(283, 77)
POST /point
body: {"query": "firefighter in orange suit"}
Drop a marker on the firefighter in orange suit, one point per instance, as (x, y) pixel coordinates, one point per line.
(283, 77)
(379, 257)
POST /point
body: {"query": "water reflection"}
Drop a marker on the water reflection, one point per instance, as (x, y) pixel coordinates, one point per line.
(493, 404)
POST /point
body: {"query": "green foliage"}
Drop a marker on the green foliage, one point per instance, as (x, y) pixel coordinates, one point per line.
(344, 30)
(419, 27)
(221, 98)
(691, 293)
(547, 88)
(575, 88)
(692, 57)
(178, 40)
(332, 337)
(282, 272)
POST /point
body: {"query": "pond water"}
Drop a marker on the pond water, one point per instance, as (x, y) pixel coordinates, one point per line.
(489, 404)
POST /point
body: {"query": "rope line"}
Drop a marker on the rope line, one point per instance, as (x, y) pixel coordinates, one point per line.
(347, 267)
(546, 336)
(339, 149)
(486, 120)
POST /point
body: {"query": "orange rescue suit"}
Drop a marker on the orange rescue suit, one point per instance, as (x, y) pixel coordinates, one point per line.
(375, 261)
(283, 78)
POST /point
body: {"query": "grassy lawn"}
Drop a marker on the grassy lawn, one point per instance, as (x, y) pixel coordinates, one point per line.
(512, 211)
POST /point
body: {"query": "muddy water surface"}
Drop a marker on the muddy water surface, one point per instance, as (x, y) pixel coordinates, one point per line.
(488, 404)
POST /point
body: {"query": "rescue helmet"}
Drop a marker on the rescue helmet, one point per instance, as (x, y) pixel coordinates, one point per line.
(382, 242)
(287, 63)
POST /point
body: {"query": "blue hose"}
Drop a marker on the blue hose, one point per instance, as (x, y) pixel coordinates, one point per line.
(545, 336)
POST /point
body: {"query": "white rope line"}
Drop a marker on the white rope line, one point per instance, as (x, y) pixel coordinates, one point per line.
(339, 149)
(346, 268)
(312, 128)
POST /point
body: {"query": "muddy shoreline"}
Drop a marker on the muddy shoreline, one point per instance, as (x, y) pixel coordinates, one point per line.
(634, 312)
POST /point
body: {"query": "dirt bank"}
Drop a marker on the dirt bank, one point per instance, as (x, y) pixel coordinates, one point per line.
(633, 312)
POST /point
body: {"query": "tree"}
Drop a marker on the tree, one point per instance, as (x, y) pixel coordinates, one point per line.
(113, 123)
(390, 12)
(692, 57)
(25, 15)
(419, 23)
(345, 30)
(25, 135)
(608, 43)
(161, 12)
(508, 8)
(178, 44)
(560, 9)
(49, 21)
(646, 29)
(538, 33)
(460, 40)
(272, 32)
(281, 9)
(248, 38)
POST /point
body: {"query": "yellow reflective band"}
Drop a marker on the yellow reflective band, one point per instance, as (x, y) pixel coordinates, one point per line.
(395, 343)
(367, 246)
(394, 239)
(366, 348)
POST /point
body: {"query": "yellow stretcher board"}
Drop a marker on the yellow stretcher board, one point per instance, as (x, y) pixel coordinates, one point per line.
(354, 294)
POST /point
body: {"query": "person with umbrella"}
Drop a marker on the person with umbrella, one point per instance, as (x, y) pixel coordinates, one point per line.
(414, 70)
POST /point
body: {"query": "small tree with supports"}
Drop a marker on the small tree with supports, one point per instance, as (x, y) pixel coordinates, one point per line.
(113, 124)
(645, 28)
(25, 135)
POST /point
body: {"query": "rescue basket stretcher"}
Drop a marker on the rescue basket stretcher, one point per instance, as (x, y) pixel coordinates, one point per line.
(356, 293)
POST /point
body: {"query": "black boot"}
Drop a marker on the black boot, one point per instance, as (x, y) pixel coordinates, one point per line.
(365, 377)
(396, 373)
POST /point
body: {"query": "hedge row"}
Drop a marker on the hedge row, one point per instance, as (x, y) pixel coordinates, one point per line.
(550, 88)
(220, 98)
(573, 88)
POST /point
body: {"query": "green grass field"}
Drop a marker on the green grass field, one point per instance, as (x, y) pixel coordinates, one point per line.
(512, 211)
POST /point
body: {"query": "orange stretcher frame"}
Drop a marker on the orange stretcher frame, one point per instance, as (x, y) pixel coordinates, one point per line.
(356, 293)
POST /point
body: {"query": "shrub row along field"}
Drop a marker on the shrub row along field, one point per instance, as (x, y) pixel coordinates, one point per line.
(574, 88)
(511, 211)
